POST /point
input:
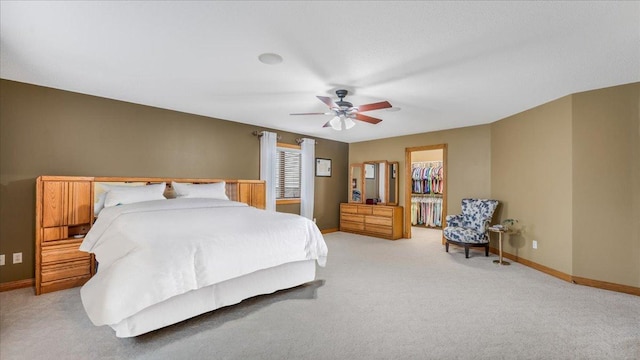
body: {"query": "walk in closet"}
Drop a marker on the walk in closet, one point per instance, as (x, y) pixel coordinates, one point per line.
(426, 187)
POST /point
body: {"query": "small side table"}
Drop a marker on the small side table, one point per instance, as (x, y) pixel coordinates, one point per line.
(500, 232)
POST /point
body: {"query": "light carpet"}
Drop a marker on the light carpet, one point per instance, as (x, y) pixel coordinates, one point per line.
(376, 299)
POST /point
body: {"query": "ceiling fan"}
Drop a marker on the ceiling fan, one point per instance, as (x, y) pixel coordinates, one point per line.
(344, 111)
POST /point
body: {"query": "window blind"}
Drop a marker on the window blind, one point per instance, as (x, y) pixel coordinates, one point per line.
(288, 173)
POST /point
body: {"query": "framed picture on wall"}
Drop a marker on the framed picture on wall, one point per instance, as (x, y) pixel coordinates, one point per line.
(323, 167)
(369, 171)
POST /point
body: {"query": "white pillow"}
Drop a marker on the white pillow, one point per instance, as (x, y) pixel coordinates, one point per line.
(99, 204)
(209, 191)
(101, 189)
(134, 194)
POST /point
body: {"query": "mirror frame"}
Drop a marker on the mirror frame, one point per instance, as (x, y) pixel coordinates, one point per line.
(391, 172)
(361, 185)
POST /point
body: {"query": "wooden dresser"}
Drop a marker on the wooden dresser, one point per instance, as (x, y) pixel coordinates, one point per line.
(374, 220)
(64, 213)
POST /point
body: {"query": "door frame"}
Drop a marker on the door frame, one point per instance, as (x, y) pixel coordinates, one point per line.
(408, 185)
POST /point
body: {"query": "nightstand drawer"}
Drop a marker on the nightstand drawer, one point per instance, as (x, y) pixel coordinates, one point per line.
(55, 233)
(67, 283)
(65, 270)
(65, 252)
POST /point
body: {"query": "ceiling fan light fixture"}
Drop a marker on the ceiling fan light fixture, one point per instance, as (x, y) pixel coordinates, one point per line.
(335, 123)
(348, 123)
(345, 112)
(340, 123)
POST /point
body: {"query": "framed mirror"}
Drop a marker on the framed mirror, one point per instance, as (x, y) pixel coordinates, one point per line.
(392, 183)
(355, 183)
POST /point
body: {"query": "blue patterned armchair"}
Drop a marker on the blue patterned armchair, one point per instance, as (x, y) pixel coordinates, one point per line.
(470, 228)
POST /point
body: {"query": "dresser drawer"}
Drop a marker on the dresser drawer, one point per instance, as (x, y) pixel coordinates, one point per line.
(65, 252)
(377, 220)
(379, 229)
(351, 217)
(352, 209)
(350, 225)
(52, 272)
(382, 211)
(365, 210)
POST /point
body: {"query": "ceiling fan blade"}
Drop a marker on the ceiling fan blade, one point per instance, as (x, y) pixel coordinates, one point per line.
(328, 101)
(328, 124)
(374, 106)
(312, 114)
(365, 118)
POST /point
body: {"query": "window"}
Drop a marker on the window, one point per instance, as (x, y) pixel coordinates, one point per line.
(288, 171)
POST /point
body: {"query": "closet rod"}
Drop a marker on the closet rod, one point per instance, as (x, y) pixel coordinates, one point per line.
(418, 163)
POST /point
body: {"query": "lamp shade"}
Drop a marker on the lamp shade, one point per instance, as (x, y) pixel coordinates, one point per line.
(341, 123)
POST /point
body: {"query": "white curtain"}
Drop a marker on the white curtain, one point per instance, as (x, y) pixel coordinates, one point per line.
(268, 158)
(308, 147)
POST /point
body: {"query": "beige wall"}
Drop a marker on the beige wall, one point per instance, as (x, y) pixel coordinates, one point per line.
(531, 177)
(469, 159)
(606, 185)
(45, 131)
(569, 170)
(426, 155)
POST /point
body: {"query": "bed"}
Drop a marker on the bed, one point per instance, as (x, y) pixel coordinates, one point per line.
(162, 261)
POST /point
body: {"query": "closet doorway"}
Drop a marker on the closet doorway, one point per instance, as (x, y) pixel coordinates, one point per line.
(425, 187)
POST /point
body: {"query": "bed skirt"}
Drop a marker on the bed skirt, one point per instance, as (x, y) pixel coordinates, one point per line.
(230, 292)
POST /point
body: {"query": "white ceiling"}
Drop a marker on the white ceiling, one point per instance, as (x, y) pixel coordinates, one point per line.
(444, 64)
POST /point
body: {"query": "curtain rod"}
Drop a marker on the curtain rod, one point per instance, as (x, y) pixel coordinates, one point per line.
(301, 140)
(259, 135)
(279, 137)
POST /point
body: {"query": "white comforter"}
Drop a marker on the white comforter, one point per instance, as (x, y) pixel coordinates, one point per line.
(151, 251)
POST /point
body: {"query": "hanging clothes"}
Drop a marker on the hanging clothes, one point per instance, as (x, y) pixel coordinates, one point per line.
(426, 211)
(427, 179)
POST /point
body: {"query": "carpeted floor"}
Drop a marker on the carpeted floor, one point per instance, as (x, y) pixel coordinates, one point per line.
(376, 299)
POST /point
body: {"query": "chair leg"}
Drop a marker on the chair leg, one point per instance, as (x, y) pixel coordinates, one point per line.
(446, 246)
(486, 250)
(466, 251)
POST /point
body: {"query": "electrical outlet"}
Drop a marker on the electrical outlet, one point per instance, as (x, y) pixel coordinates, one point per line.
(534, 243)
(17, 258)
(1, 259)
